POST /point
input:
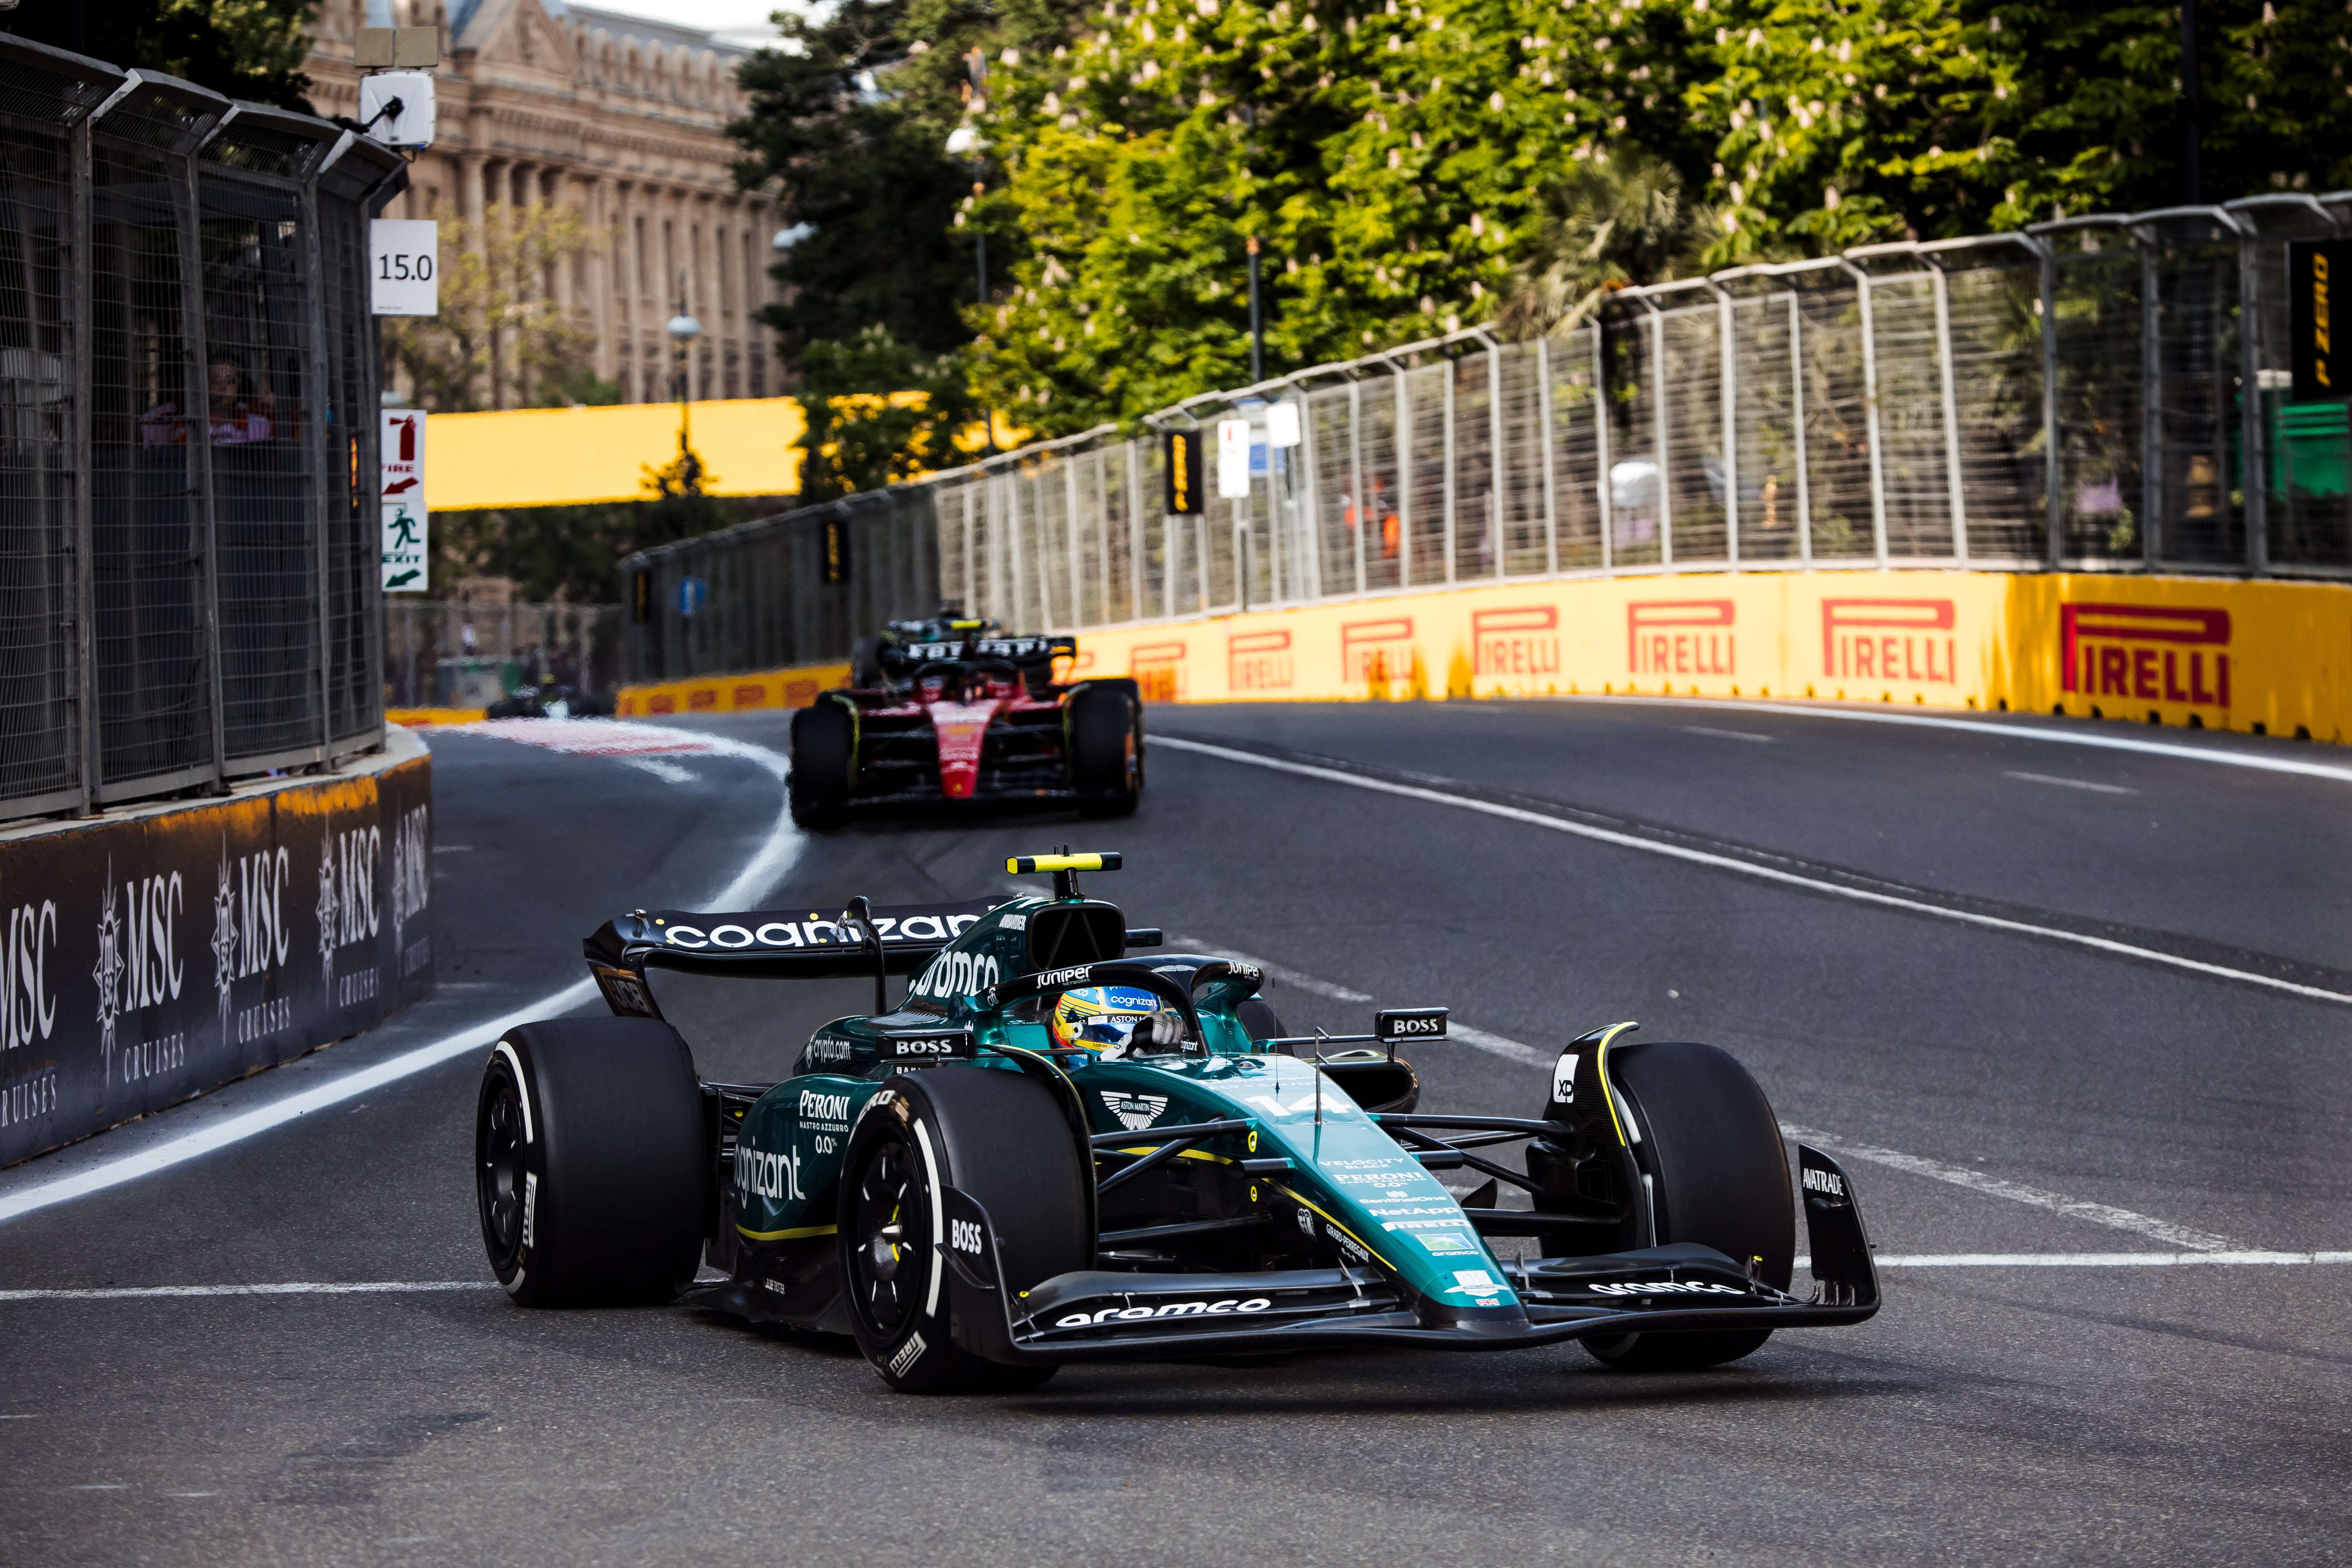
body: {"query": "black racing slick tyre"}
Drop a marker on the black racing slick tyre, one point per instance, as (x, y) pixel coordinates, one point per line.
(1106, 740)
(1002, 1139)
(590, 1167)
(1719, 1177)
(824, 753)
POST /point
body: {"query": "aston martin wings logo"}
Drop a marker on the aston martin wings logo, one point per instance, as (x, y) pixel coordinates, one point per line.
(1135, 1111)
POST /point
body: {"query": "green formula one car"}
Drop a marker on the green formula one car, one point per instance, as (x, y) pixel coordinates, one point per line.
(1054, 1151)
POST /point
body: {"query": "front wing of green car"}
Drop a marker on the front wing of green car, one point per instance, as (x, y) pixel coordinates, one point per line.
(1103, 1316)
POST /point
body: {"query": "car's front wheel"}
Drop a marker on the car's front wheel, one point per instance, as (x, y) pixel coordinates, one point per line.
(1000, 1139)
(1718, 1176)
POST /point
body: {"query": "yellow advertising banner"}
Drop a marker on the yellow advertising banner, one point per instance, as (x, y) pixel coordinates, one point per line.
(577, 456)
(2265, 658)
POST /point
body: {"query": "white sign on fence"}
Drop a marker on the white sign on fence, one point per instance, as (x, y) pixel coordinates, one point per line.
(404, 270)
(1232, 460)
(402, 456)
(1282, 424)
(404, 547)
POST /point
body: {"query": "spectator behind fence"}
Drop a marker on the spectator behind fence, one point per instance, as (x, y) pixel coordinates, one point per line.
(240, 415)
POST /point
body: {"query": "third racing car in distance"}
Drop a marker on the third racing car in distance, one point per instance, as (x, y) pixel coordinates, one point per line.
(1052, 1151)
(950, 710)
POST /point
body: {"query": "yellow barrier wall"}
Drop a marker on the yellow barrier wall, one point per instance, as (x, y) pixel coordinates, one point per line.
(575, 457)
(732, 693)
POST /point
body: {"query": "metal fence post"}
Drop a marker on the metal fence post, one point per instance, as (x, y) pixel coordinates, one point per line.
(79, 460)
(1797, 423)
(1447, 488)
(2151, 404)
(1601, 442)
(314, 438)
(1404, 476)
(1870, 414)
(1133, 468)
(1362, 513)
(1497, 454)
(1544, 443)
(1727, 369)
(1954, 487)
(1072, 532)
(1660, 398)
(2254, 440)
(2053, 445)
(200, 450)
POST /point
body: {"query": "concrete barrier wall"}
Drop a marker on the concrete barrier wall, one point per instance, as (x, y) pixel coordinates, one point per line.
(2261, 656)
(794, 687)
(151, 954)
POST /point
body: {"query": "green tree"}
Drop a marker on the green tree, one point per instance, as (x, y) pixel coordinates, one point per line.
(245, 49)
(500, 340)
(879, 412)
(1615, 222)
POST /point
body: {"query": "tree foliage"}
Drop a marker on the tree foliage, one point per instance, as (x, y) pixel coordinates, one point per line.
(501, 341)
(243, 48)
(879, 412)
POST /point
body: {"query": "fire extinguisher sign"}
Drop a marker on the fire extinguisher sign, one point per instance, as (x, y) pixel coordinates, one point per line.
(404, 565)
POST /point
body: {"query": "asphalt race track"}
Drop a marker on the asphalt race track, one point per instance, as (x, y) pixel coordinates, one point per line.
(2080, 1018)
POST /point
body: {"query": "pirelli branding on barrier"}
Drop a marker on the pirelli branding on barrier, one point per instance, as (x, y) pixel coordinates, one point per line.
(2146, 653)
(2210, 652)
(151, 959)
(1681, 636)
(1910, 640)
(730, 693)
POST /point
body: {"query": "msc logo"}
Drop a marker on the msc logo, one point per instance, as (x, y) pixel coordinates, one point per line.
(1890, 639)
(1515, 642)
(1680, 636)
(2154, 653)
(1258, 661)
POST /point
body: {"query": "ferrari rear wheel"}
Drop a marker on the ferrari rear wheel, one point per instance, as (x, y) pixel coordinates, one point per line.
(1106, 751)
(1718, 1176)
(824, 755)
(998, 1137)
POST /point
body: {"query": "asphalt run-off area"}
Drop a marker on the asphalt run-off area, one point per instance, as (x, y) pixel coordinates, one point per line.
(2069, 1000)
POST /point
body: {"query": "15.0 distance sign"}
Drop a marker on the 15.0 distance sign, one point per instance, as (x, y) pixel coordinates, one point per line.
(404, 266)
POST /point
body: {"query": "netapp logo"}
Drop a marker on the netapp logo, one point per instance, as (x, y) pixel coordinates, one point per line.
(1818, 1180)
(818, 1107)
(1173, 1310)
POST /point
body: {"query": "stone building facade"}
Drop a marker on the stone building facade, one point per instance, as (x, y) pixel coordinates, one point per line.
(621, 117)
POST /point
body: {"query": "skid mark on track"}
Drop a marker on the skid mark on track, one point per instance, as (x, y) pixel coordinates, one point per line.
(1750, 868)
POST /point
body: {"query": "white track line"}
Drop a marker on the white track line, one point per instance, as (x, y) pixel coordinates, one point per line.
(2228, 759)
(767, 869)
(2180, 1237)
(1749, 869)
(295, 1287)
(2195, 1244)
(2069, 783)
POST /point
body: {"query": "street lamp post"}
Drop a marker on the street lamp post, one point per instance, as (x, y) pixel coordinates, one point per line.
(683, 330)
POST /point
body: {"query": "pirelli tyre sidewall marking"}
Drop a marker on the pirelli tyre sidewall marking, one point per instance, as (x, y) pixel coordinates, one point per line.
(506, 1050)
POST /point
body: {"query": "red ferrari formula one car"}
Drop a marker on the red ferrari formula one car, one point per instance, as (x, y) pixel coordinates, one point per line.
(951, 711)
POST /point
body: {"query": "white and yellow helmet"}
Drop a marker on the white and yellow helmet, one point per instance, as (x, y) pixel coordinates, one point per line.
(1110, 1019)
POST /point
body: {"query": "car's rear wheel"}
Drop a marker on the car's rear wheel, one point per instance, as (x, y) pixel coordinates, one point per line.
(589, 1161)
(1711, 1149)
(824, 753)
(999, 1137)
(1106, 751)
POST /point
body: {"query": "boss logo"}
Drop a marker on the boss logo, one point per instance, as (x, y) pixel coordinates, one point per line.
(1411, 1024)
(946, 1046)
(964, 1235)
